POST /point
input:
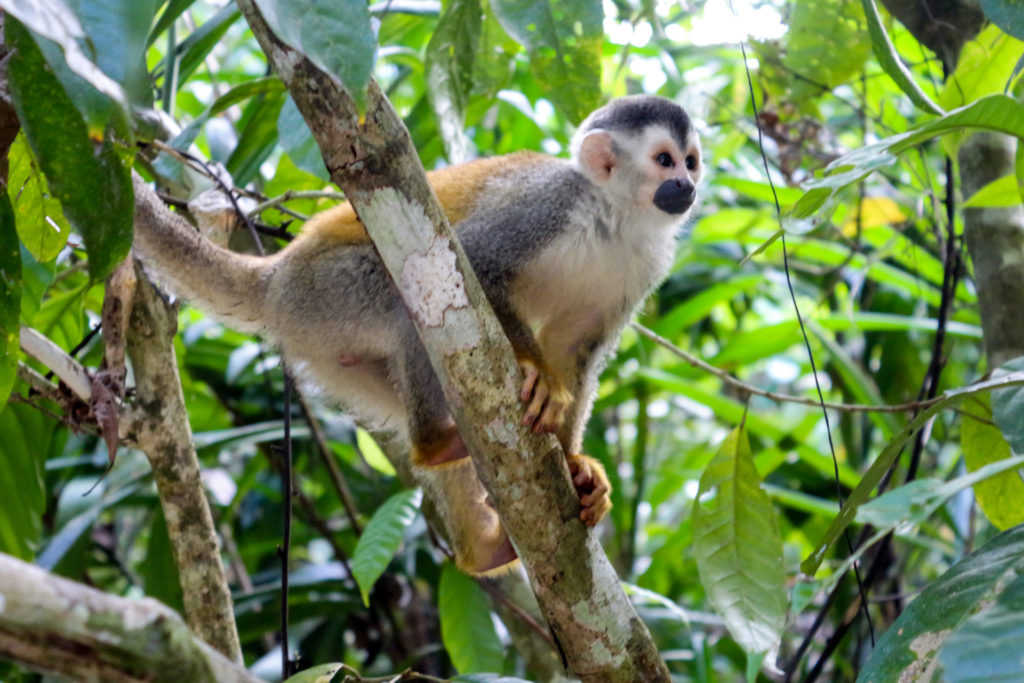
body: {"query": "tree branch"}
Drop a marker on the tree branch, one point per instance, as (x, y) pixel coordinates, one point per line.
(57, 626)
(372, 159)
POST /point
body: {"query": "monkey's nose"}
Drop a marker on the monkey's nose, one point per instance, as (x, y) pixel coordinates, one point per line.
(675, 195)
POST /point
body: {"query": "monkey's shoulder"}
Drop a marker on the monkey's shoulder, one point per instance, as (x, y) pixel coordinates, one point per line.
(461, 189)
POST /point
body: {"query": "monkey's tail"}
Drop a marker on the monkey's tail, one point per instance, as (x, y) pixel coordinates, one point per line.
(230, 286)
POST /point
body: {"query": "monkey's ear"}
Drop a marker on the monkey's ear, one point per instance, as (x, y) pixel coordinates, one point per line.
(597, 155)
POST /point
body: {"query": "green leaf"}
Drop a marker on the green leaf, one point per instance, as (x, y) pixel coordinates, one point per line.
(1008, 406)
(297, 140)
(1001, 192)
(53, 20)
(322, 673)
(884, 461)
(466, 627)
(194, 49)
(158, 572)
(27, 434)
(1001, 497)
(738, 547)
(1006, 14)
(172, 11)
(978, 592)
(1020, 170)
(372, 453)
(996, 112)
(984, 67)
(42, 227)
(988, 645)
(815, 28)
(381, 538)
(10, 298)
(564, 42)
(91, 180)
(451, 55)
(257, 138)
(337, 37)
(892, 64)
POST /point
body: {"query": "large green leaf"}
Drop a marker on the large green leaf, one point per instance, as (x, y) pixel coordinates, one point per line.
(336, 36)
(1008, 406)
(738, 547)
(1001, 497)
(381, 538)
(53, 20)
(1006, 14)
(10, 298)
(815, 28)
(891, 62)
(27, 434)
(564, 42)
(42, 227)
(984, 67)
(466, 626)
(258, 137)
(978, 599)
(450, 58)
(883, 462)
(297, 140)
(996, 112)
(90, 178)
(194, 49)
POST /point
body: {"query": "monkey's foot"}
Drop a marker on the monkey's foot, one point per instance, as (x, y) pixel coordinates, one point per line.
(592, 487)
(547, 396)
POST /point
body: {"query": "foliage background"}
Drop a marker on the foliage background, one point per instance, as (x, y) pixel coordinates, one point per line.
(868, 275)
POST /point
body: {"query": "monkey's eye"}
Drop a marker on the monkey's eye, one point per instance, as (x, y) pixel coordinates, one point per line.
(665, 160)
(691, 162)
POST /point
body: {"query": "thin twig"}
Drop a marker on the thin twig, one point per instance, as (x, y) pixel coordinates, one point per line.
(775, 396)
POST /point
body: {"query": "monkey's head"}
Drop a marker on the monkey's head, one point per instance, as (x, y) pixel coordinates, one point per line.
(644, 151)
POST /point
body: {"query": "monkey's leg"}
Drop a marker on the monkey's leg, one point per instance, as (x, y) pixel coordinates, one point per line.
(444, 467)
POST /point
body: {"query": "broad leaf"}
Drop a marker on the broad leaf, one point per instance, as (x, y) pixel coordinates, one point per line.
(42, 227)
(27, 435)
(1008, 406)
(1006, 14)
(90, 178)
(1001, 497)
(194, 49)
(338, 37)
(564, 42)
(53, 20)
(382, 537)
(297, 140)
(891, 62)
(884, 461)
(738, 547)
(981, 594)
(450, 58)
(466, 627)
(996, 112)
(983, 68)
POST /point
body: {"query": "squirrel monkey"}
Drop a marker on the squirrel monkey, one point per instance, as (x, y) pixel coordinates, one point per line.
(564, 249)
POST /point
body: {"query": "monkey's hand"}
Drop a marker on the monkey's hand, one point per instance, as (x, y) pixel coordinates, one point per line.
(547, 395)
(592, 487)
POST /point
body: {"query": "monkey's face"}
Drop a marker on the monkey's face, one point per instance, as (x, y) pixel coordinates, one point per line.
(672, 170)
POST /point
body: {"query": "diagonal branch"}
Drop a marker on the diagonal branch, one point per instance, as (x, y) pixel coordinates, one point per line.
(372, 159)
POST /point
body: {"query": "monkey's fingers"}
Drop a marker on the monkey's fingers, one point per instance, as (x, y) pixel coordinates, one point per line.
(532, 373)
(541, 393)
(592, 487)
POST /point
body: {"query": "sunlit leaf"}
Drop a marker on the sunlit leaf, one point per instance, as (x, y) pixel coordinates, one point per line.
(90, 178)
(450, 59)
(738, 547)
(466, 627)
(382, 537)
(372, 453)
(337, 37)
(40, 219)
(1001, 497)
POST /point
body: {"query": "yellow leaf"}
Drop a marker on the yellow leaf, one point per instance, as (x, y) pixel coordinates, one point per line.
(874, 212)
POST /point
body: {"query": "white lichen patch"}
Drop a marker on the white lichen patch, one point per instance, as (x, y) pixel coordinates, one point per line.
(431, 284)
(504, 433)
(3, 603)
